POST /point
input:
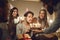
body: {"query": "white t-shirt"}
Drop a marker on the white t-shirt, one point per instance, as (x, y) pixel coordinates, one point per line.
(16, 20)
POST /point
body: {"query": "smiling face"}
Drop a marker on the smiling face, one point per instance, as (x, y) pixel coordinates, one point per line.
(15, 12)
(29, 18)
(42, 14)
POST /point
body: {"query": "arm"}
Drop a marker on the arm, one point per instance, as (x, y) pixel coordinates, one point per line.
(19, 28)
(56, 23)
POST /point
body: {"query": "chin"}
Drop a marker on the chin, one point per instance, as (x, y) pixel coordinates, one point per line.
(30, 22)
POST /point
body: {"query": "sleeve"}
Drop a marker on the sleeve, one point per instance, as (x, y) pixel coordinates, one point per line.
(16, 20)
(19, 28)
(56, 24)
(54, 27)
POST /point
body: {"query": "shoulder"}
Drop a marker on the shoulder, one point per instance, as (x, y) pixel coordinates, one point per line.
(19, 24)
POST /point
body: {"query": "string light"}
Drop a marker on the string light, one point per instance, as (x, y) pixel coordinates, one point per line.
(12, 0)
(51, 21)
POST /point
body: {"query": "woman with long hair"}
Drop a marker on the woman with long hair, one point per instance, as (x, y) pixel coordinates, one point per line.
(13, 21)
(42, 19)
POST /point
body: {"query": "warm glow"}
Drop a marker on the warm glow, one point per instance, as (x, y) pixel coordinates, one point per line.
(32, 0)
(12, 0)
(35, 25)
(22, 18)
(51, 21)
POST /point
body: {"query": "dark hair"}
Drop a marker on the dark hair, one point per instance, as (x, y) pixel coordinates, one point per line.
(29, 12)
(45, 17)
(42, 10)
(11, 11)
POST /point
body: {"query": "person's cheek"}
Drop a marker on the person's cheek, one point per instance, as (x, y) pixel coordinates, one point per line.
(43, 16)
(27, 19)
(31, 20)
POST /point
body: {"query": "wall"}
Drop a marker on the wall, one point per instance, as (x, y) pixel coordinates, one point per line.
(32, 6)
(23, 5)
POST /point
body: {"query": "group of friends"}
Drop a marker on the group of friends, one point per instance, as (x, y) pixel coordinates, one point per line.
(12, 27)
(17, 26)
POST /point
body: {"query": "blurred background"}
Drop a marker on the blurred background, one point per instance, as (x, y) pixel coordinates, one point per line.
(31, 5)
(34, 6)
